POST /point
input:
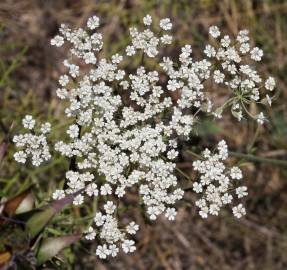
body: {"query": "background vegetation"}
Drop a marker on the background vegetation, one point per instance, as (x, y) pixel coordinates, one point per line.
(29, 68)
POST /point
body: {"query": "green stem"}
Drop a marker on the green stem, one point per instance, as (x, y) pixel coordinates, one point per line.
(251, 144)
(259, 159)
(182, 173)
(179, 170)
(194, 154)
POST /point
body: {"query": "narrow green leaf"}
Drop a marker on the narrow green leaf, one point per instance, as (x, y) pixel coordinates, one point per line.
(39, 220)
(12, 204)
(50, 247)
(26, 205)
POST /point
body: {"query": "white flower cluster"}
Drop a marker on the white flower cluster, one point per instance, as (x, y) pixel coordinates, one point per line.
(123, 142)
(147, 41)
(32, 145)
(232, 66)
(111, 233)
(126, 126)
(217, 183)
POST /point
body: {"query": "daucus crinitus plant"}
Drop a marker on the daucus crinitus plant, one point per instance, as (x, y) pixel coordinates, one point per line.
(127, 126)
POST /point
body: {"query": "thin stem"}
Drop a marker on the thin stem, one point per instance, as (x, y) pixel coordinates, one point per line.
(179, 170)
(245, 109)
(182, 173)
(251, 144)
(259, 159)
(142, 59)
(194, 154)
(12, 220)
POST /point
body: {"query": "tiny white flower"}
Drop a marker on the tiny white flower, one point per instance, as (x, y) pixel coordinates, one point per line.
(116, 58)
(256, 54)
(236, 173)
(225, 41)
(270, 84)
(92, 190)
(242, 36)
(78, 200)
(93, 22)
(165, 24)
(28, 122)
(58, 194)
(132, 227)
(147, 20)
(109, 207)
(166, 39)
(218, 76)
(203, 212)
(73, 131)
(241, 192)
(239, 211)
(102, 251)
(128, 246)
(197, 187)
(226, 198)
(57, 41)
(20, 156)
(63, 80)
(130, 50)
(106, 189)
(209, 51)
(90, 58)
(114, 250)
(99, 219)
(90, 234)
(214, 31)
(170, 213)
(45, 128)
(244, 48)
(172, 154)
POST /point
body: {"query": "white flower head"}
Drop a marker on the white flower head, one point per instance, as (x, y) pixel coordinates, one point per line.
(28, 122)
(93, 22)
(128, 246)
(130, 118)
(57, 41)
(58, 194)
(239, 211)
(147, 20)
(20, 156)
(73, 131)
(270, 84)
(165, 24)
(170, 213)
(214, 31)
(256, 54)
(132, 228)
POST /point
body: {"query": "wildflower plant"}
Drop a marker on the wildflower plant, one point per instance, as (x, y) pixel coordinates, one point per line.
(126, 125)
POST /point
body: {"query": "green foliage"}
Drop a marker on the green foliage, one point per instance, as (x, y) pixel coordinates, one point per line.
(50, 247)
(22, 235)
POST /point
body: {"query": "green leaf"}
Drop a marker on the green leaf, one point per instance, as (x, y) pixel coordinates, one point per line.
(50, 247)
(26, 205)
(13, 204)
(37, 222)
